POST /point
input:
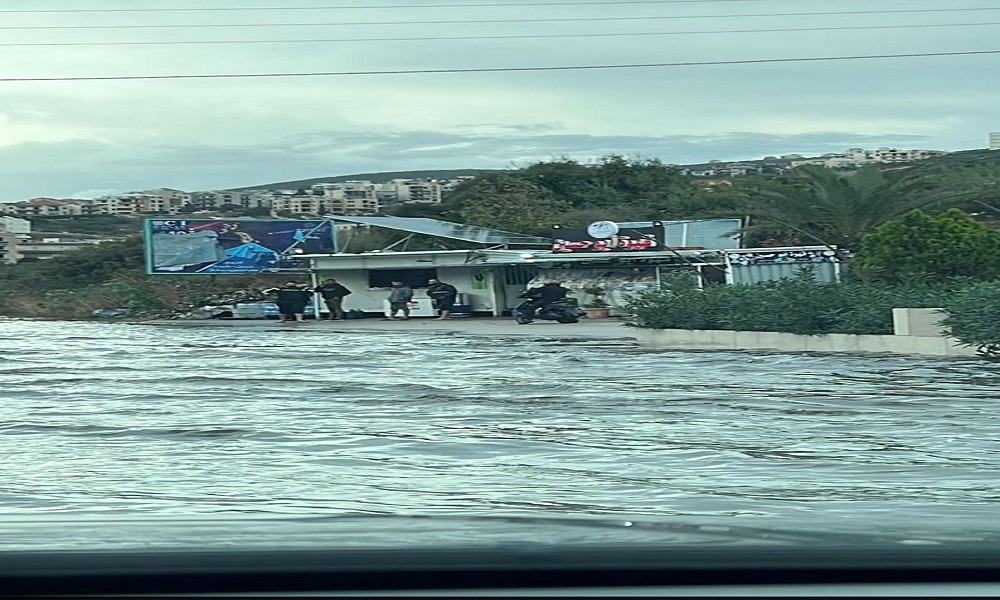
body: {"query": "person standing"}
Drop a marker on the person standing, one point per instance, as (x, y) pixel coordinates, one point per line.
(291, 299)
(443, 295)
(399, 300)
(333, 294)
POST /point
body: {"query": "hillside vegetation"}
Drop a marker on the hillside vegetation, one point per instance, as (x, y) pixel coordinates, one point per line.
(808, 205)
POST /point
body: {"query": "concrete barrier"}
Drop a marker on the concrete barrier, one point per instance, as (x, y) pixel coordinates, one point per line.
(921, 322)
(695, 339)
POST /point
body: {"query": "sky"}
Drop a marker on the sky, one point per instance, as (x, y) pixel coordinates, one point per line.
(79, 138)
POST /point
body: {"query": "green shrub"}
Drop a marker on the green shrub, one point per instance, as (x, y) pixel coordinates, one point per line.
(971, 315)
(919, 245)
(795, 305)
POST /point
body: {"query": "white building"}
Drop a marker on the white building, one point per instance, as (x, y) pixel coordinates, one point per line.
(160, 200)
(45, 207)
(995, 140)
(48, 246)
(423, 191)
(492, 276)
(8, 248)
(856, 157)
(245, 199)
(14, 225)
(12, 231)
(17, 242)
(343, 198)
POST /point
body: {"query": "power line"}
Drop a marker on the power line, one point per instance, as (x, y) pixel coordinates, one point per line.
(396, 6)
(498, 69)
(503, 37)
(467, 22)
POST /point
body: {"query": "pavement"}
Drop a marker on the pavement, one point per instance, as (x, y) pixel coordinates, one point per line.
(609, 328)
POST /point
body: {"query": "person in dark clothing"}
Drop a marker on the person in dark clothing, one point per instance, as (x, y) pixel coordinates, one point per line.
(443, 295)
(543, 296)
(333, 295)
(292, 300)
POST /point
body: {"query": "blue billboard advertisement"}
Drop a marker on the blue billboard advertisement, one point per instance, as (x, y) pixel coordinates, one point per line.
(232, 246)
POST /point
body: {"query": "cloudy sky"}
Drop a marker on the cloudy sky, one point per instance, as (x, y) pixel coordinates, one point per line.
(84, 138)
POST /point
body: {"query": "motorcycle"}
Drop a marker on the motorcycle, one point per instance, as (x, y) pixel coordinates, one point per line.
(565, 310)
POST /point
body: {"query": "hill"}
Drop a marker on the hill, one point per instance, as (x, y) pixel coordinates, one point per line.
(965, 156)
(373, 177)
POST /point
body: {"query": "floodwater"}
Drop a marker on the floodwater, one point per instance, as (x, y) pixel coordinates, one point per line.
(125, 423)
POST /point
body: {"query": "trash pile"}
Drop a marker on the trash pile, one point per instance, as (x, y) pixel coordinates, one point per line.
(111, 313)
(234, 297)
(245, 303)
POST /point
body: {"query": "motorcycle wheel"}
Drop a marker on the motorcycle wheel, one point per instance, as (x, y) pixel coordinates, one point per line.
(569, 320)
(522, 321)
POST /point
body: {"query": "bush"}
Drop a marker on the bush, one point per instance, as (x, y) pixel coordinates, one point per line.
(919, 245)
(790, 306)
(971, 316)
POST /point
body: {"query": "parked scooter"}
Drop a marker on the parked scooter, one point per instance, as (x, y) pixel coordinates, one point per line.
(565, 310)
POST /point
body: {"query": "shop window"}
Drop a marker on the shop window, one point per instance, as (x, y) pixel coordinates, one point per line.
(415, 278)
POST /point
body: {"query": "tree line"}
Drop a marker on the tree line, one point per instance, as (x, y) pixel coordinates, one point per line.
(937, 217)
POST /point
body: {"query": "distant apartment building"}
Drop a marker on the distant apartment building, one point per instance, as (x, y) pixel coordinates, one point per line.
(423, 191)
(300, 203)
(995, 140)
(17, 242)
(354, 197)
(717, 168)
(856, 157)
(45, 207)
(416, 190)
(244, 199)
(344, 198)
(42, 246)
(8, 249)
(117, 205)
(12, 231)
(160, 200)
(14, 225)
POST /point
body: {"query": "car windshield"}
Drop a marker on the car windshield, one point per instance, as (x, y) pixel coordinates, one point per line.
(248, 435)
(404, 274)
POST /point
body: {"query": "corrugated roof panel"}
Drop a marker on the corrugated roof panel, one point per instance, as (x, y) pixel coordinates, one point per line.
(449, 230)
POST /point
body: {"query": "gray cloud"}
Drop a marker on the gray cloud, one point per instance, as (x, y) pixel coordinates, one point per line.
(67, 168)
(63, 138)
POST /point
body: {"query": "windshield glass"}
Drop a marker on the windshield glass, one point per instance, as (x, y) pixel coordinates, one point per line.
(485, 273)
(594, 440)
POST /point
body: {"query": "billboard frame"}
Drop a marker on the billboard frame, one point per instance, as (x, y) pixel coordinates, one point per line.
(148, 253)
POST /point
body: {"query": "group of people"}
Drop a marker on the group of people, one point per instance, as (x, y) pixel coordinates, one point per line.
(292, 298)
(442, 295)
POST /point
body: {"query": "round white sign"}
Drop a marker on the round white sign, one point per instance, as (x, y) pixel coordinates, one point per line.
(602, 229)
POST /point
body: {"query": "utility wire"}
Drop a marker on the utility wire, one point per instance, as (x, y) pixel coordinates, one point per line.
(395, 6)
(500, 37)
(467, 22)
(498, 69)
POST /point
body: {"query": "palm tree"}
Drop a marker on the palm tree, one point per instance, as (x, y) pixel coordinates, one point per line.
(837, 208)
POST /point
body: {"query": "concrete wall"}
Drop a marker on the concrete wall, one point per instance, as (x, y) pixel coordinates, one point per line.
(695, 339)
(917, 332)
(370, 299)
(925, 322)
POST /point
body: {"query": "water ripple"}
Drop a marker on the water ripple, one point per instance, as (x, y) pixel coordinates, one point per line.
(127, 419)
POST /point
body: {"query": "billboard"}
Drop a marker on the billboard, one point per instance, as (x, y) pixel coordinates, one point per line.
(608, 236)
(710, 234)
(232, 246)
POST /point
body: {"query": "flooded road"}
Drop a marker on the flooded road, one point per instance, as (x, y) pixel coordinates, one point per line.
(129, 421)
